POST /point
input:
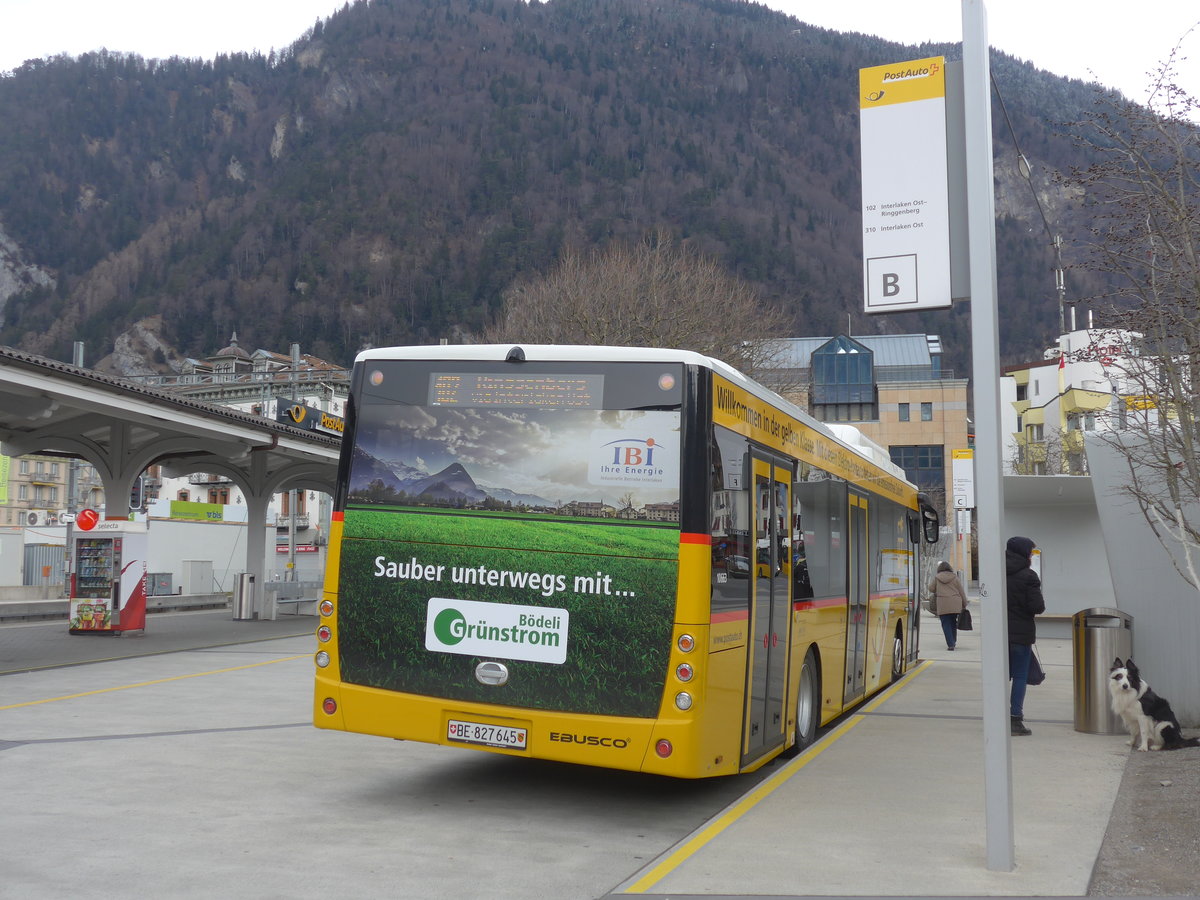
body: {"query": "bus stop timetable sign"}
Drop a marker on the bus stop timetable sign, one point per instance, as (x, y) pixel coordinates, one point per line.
(905, 194)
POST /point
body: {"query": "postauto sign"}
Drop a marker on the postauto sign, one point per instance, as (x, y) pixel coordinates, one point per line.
(301, 415)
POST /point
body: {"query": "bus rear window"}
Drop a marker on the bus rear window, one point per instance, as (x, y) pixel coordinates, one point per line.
(594, 442)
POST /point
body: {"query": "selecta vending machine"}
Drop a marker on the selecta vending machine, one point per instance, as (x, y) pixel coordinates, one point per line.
(110, 578)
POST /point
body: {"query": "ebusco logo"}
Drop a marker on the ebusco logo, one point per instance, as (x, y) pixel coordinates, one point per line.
(498, 630)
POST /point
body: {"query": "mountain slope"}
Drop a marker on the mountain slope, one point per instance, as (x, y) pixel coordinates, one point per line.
(385, 179)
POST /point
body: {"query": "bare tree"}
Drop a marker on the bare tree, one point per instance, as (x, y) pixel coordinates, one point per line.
(1144, 199)
(657, 293)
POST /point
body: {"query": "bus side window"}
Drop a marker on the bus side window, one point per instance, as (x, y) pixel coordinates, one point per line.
(729, 512)
(801, 581)
(823, 505)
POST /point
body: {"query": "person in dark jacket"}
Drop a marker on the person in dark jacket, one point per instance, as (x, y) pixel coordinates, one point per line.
(1024, 602)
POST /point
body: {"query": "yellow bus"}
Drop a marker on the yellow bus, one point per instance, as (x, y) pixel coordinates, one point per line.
(621, 557)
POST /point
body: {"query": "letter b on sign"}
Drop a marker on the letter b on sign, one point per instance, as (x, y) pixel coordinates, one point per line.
(891, 281)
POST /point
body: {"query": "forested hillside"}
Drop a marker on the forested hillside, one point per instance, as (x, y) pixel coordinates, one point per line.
(389, 175)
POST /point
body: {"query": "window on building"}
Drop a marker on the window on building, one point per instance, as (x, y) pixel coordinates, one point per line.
(923, 465)
(54, 470)
(1022, 391)
(24, 467)
(843, 375)
(23, 492)
(182, 495)
(904, 415)
(1035, 433)
(1089, 422)
(926, 412)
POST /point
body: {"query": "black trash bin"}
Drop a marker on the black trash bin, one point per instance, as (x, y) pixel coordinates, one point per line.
(1098, 636)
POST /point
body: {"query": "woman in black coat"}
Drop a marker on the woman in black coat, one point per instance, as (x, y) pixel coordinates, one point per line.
(1024, 602)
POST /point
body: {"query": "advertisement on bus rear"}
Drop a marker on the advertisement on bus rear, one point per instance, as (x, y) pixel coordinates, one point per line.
(543, 539)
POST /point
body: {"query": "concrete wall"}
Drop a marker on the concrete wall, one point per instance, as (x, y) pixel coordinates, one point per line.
(12, 555)
(224, 544)
(171, 541)
(1164, 607)
(1059, 513)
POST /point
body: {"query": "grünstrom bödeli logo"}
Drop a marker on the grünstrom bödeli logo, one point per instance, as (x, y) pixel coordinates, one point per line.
(497, 630)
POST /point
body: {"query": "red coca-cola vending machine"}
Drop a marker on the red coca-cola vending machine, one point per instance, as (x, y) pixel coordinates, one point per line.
(110, 579)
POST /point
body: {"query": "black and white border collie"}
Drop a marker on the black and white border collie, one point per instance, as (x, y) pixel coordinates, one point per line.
(1151, 722)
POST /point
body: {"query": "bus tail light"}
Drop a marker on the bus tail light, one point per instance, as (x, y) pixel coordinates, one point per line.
(326, 607)
(686, 643)
(329, 705)
(322, 659)
(663, 748)
(683, 700)
(684, 672)
(324, 634)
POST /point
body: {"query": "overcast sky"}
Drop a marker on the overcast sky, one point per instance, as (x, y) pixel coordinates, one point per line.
(1114, 42)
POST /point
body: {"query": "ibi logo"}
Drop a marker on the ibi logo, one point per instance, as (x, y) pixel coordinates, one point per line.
(632, 452)
(621, 458)
(497, 630)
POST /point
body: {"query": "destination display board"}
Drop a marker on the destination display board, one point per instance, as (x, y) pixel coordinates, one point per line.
(519, 391)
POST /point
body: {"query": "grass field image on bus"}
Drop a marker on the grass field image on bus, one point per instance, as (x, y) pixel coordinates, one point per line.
(618, 598)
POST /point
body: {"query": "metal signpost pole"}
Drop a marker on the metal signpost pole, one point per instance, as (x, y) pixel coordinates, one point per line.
(981, 205)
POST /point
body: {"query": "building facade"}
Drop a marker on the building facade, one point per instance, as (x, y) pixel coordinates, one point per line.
(892, 388)
(1049, 406)
(40, 491)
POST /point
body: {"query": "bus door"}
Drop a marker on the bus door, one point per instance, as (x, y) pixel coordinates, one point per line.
(913, 639)
(858, 594)
(770, 605)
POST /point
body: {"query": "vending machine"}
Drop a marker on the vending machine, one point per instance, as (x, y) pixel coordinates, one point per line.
(110, 579)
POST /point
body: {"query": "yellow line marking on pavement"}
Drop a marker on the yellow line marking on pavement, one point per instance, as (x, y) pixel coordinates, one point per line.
(684, 851)
(894, 689)
(125, 687)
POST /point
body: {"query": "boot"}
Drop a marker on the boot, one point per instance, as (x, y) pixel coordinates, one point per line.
(1018, 726)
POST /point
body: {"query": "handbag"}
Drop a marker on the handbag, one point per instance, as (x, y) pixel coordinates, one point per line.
(931, 604)
(964, 620)
(1036, 673)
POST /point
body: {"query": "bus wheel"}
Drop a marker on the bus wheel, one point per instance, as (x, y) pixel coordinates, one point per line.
(808, 705)
(897, 655)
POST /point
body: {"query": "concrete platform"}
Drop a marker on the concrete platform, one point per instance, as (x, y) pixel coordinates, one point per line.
(890, 802)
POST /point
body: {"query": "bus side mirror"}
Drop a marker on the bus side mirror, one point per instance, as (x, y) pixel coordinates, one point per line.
(931, 523)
